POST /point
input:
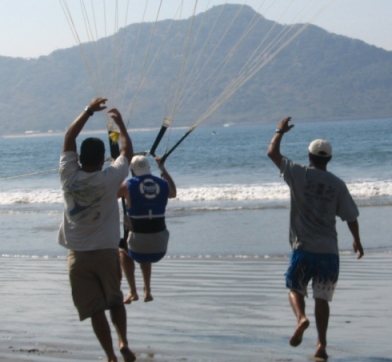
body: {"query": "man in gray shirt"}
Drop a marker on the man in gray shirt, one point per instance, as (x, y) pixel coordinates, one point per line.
(317, 197)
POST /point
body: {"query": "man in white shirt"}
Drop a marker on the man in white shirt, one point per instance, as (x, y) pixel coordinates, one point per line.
(90, 229)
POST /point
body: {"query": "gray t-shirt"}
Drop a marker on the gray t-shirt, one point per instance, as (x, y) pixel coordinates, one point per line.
(91, 218)
(317, 197)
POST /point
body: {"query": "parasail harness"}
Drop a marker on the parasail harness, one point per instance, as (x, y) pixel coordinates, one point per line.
(114, 153)
(165, 125)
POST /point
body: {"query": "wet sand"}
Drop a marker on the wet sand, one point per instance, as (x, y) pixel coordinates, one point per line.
(203, 310)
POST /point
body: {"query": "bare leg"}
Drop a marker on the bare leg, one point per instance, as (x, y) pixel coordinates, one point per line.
(128, 266)
(146, 271)
(321, 312)
(297, 302)
(119, 320)
(102, 331)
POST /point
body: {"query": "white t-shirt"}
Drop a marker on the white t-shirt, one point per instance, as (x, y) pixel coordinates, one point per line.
(91, 216)
(317, 197)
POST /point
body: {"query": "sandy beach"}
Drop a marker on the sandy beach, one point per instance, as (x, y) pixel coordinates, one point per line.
(218, 309)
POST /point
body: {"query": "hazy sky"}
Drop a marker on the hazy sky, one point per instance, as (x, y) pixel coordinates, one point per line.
(31, 28)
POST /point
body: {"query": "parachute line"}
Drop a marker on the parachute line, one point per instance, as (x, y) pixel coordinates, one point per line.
(141, 78)
(28, 174)
(201, 60)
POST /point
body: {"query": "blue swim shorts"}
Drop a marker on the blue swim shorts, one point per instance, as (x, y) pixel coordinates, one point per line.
(148, 248)
(142, 258)
(323, 269)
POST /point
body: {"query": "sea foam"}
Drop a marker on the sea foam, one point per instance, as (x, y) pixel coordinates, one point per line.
(268, 192)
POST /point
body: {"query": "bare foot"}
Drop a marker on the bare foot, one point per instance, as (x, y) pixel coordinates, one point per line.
(147, 295)
(127, 354)
(296, 338)
(321, 354)
(131, 298)
(112, 358)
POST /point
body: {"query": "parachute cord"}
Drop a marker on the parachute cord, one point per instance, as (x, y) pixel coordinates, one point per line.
(103, 83)
(168, 153)
(254, 60)
(100, 79)
(189, 75)
(96, 58)
(141, 78)
(260, 56)
(154, 58)
(184, 63)
(29, 174)
(278, 38)
(253, 23)
(177, 95)
(220, 69)
(104, 17)
(251, 58)
(192, 71)
(236, 83)
(74, 32)
(188, 88)
(221, 66)
(170, 95)
(116, 52)
(100, 72)
(90, 36)
(134, 52)
(243, 78)
(227, 94)
(122, 47)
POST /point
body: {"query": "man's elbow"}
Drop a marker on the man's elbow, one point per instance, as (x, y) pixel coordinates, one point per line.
(276, 158)
(273, 155)
(127, 154)
(273, 152)
(172, 194)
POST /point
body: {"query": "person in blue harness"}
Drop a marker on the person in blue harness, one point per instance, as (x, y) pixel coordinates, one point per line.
(146, 198)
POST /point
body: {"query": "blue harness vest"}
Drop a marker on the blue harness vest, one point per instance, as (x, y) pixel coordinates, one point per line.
(149, 195)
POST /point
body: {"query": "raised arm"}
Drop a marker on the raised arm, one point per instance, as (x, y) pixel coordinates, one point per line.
(96, 105)
(166, 176)
(126, 143)
(354, 229)
(124, 193)
(274, 146)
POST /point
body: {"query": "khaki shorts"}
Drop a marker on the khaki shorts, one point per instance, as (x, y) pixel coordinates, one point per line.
(95, 278)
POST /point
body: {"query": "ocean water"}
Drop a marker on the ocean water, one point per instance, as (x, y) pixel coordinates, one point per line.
(231, 201)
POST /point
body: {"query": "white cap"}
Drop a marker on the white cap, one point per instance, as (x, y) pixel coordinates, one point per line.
(140, 166)
(321, 148)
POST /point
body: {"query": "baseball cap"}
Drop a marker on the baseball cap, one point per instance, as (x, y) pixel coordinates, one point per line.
(140, 165)
(321, 148)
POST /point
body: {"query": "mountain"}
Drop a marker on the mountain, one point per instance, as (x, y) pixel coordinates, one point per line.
(319, 75)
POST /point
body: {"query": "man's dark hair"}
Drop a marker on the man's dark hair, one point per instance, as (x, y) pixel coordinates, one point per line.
(92, 152)
(319, 160)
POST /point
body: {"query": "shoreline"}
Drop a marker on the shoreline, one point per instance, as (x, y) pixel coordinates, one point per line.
(230, 124)
(207, 257)
(58, 133)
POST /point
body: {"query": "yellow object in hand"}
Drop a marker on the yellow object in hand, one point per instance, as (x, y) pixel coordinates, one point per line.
(114, 136)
